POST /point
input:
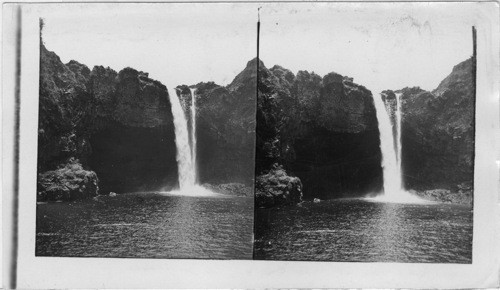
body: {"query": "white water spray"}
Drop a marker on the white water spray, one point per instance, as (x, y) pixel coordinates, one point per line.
(193, 135)
(391, 157)
(186, 152)
(398, 137)
(184, 160)
(391, 174)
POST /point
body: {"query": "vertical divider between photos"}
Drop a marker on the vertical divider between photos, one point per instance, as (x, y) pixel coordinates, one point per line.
(12, 270)
(255, 137)
(474, 77)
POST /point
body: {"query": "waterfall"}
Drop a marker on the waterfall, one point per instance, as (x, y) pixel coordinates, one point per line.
(399, 127)
(184, 157)
(186, 152)
(391, 173)
(193, 135)
(391, 156)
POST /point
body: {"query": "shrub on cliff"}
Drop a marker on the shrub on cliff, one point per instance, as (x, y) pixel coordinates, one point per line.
(277, 188)
(68, 182)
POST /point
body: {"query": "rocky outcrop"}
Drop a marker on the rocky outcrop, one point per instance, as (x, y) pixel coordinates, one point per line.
(277, 188)
(438, 132)
(321, 129)
(68, 182)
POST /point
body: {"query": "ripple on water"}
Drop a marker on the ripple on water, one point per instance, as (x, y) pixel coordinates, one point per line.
(148, 225)
(361, 230)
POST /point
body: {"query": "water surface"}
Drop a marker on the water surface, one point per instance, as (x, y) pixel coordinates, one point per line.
(356, 230)
(147, 226)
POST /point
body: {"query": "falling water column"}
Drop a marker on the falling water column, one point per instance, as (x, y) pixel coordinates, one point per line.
(390, 170)
(193, 136)
(184, 159)
(398, 138)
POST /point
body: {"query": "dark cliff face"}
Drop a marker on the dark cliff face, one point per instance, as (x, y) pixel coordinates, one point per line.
(120, 125)
(322, 129)
(225, 127)
(134, 140)
(438, 132)
(63, 112)
(117, 124)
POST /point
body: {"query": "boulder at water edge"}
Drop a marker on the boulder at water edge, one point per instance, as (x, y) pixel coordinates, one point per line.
(69, 182)
(277, 188)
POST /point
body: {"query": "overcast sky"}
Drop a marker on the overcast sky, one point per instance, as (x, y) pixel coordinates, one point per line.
(174, 43)
(383, 46)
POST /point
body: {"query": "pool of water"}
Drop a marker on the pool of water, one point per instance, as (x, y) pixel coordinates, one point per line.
(147, 225)
(357, 230)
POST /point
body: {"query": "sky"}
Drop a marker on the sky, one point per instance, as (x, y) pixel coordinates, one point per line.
(181, 43)
(382, 46)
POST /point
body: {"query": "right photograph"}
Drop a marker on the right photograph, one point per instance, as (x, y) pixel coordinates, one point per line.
(365, 133)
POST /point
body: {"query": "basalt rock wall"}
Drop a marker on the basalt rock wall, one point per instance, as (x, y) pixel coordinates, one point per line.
(438, 132)
(117, 127)
(225, 127)
(321, 129)
(116, 124)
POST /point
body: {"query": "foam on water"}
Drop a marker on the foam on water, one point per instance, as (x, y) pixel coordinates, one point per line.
(195, 191)
(402, 197)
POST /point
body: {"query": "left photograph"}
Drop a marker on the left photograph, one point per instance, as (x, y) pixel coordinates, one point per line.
(146, 131)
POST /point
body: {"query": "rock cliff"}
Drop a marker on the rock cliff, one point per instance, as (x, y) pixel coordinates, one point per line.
(321, 129)
(113, 131)
(438, 132)
(116, 124)
(225, 124)
(324, 131)
(116, 129)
